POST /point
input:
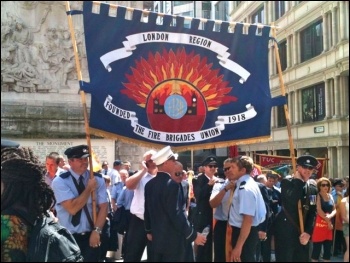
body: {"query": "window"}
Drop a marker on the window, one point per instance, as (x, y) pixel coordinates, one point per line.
(311, 41)
(313, 103)
(282, 50)
(279, 9)
(221, 13)
(177, 3)
(281, 116)
(258, 17)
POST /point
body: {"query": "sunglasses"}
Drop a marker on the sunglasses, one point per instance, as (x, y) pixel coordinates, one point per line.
(178, 174)
(324, 185)
(307, 167)
(227, 168)
(212, 166)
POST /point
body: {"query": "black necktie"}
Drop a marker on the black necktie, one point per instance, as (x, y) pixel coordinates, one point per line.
(81, 188)
(106, 172)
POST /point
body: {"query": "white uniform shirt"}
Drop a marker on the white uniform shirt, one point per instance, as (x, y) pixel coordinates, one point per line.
(247, 200)
(138, 201)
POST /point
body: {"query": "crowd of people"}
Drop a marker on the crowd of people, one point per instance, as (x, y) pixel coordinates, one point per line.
(176, 215)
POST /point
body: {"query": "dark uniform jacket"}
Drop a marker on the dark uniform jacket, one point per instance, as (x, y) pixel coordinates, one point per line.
(264, 192)
(291, 191)
(164, 215)
(287, 226)
(204, 212)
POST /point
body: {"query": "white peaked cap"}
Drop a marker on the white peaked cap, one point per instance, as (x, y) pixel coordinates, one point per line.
(163, 155)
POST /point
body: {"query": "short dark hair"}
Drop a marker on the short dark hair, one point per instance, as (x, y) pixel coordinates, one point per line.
(271, 175)
(244, 162)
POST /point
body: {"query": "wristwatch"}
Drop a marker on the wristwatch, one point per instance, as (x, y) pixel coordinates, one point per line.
(98, 230)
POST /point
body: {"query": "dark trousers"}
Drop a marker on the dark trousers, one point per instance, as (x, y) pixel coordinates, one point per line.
(263, 251)
(339, 243)
(204, 253)
(287, 244)
(316, 250)
(220, 241)
(249, 247)
(137, 241)
(166, 257)
(189, 253)
(90, 254)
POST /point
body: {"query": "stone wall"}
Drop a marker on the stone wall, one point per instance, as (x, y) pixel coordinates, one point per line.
(39, 84)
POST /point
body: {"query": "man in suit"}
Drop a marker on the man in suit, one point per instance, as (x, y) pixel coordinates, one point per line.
(178, 176)
(165, 222)
(202, 187)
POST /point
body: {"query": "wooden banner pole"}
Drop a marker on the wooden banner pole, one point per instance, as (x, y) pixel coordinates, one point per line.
(289, 129)
(83, 101)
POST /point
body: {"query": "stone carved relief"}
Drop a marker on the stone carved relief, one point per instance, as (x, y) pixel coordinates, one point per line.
(40, 58)
(37, 55)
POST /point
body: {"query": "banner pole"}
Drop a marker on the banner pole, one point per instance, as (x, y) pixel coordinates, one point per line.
(289, 129)
(83, 101)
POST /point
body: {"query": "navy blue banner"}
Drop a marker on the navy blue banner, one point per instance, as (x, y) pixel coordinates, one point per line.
(164, 84)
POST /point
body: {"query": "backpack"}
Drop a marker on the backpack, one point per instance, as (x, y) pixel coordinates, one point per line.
(48, 240)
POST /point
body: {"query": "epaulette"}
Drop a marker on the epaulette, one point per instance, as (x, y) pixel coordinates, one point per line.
(98, 175)
(242, 185)
(65, 175)
(220, 181)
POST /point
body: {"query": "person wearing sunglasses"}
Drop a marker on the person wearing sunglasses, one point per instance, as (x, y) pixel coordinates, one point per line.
(203, 217)
(179, 176)
(323, 231)
(220, 199)
(287, 223)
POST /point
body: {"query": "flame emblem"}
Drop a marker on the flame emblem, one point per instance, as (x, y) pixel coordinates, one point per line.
(176, 89)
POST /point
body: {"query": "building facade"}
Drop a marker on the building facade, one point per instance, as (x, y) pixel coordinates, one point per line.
(313, 41)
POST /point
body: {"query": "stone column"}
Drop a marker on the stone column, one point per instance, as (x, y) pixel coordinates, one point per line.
(325, 32)
(327, 96)
(273, 117)
(336, 97)
(334, 26)
(295, 48)
(267, 4)
(329, 162)
(342, 161)
(290, 106)
(289, 51)
(344, 90)
(343, 20)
